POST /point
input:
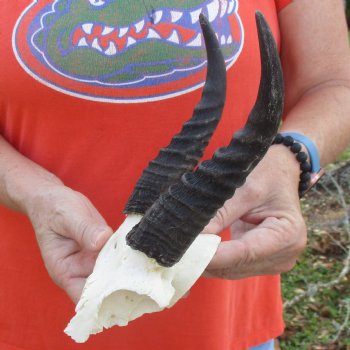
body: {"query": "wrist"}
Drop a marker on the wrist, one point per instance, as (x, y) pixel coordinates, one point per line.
(309, 148)
(278, 170)
(286, 165)
(307, 154)
(24, 181)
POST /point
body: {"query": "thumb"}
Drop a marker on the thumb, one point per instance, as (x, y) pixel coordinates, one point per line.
(231, 211)
(91, 234)
(100, 236)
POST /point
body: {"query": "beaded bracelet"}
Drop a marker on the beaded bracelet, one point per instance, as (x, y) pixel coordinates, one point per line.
(305, 166)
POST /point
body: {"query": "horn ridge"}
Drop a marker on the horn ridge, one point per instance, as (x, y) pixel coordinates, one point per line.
(199, 195)
(187, 147)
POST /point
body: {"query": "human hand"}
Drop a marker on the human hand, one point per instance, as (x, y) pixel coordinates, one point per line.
(70, 232)
(268, 230)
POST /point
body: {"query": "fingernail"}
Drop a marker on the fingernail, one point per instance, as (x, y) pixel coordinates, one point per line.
(101, 237)
(96, 242)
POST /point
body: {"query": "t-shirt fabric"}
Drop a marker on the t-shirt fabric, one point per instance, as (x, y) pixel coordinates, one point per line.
(90, 90)
(281, 4)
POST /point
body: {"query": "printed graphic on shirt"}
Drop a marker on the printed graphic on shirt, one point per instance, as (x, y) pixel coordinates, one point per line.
(122, 50)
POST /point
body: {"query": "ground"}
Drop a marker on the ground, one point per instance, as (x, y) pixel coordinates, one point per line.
(317, 291)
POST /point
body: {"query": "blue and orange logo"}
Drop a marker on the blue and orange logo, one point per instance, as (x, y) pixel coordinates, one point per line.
(121, 50)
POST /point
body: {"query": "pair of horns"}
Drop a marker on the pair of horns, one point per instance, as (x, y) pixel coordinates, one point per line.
(178, 202)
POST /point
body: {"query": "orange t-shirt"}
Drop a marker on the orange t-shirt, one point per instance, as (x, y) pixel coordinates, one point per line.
(90, 90)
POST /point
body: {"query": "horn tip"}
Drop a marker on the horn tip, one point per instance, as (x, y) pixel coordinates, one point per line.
(260, 19)
(203, 20)
(259, 15)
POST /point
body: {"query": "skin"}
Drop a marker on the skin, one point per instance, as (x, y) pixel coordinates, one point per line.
(268, 229)
(69, 230)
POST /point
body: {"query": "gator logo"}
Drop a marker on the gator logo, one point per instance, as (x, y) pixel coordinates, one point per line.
(123, 50)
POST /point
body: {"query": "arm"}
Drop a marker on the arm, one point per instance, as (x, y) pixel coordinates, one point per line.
(316, 62)
(14, 187)
(268, 230)
(69, 230)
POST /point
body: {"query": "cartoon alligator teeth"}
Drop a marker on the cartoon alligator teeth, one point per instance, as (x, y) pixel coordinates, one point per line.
(167, 24)
(123, 44)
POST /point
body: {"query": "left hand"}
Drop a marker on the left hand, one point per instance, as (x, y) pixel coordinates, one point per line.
(268, 230)
(70, 232)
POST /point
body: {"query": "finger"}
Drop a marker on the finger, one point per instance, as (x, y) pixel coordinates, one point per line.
(75, 288)
(270, 248)
(233, 209)
(74, 270)
(92, 236)
(101, 238)
(80, 264)
(240, 227)
(90, 232)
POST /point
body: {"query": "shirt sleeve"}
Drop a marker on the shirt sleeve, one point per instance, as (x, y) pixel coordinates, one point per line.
(281, 4)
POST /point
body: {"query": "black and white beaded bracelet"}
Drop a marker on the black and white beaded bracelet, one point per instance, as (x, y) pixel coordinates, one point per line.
(308, 177)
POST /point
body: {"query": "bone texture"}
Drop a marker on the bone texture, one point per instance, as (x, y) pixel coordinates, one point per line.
(126, 284)
(173, 222)
(187, 147)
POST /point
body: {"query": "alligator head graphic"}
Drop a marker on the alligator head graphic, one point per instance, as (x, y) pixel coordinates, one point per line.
(124, 44)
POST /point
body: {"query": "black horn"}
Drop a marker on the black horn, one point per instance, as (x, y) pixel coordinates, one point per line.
(187, 147)
(180, 214)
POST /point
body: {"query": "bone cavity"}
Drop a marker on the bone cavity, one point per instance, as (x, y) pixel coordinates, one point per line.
(126, 284)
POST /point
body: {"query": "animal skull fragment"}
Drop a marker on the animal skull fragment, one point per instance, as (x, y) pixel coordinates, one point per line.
(158, 253)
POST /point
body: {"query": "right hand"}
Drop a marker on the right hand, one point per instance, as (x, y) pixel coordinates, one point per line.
(70, 232)
(268, 230)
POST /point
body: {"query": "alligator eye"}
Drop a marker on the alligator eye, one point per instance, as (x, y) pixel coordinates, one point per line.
(97, 2)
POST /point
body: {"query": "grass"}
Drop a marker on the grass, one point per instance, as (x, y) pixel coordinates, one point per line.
(314, 322)
(320, 321)
(345, 155)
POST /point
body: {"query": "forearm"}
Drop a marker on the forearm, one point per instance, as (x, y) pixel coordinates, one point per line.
(20, 177)
(315, 57)
(323, 115)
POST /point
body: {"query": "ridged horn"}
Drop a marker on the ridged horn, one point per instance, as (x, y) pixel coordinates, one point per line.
(187, 147)
(173, 222)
